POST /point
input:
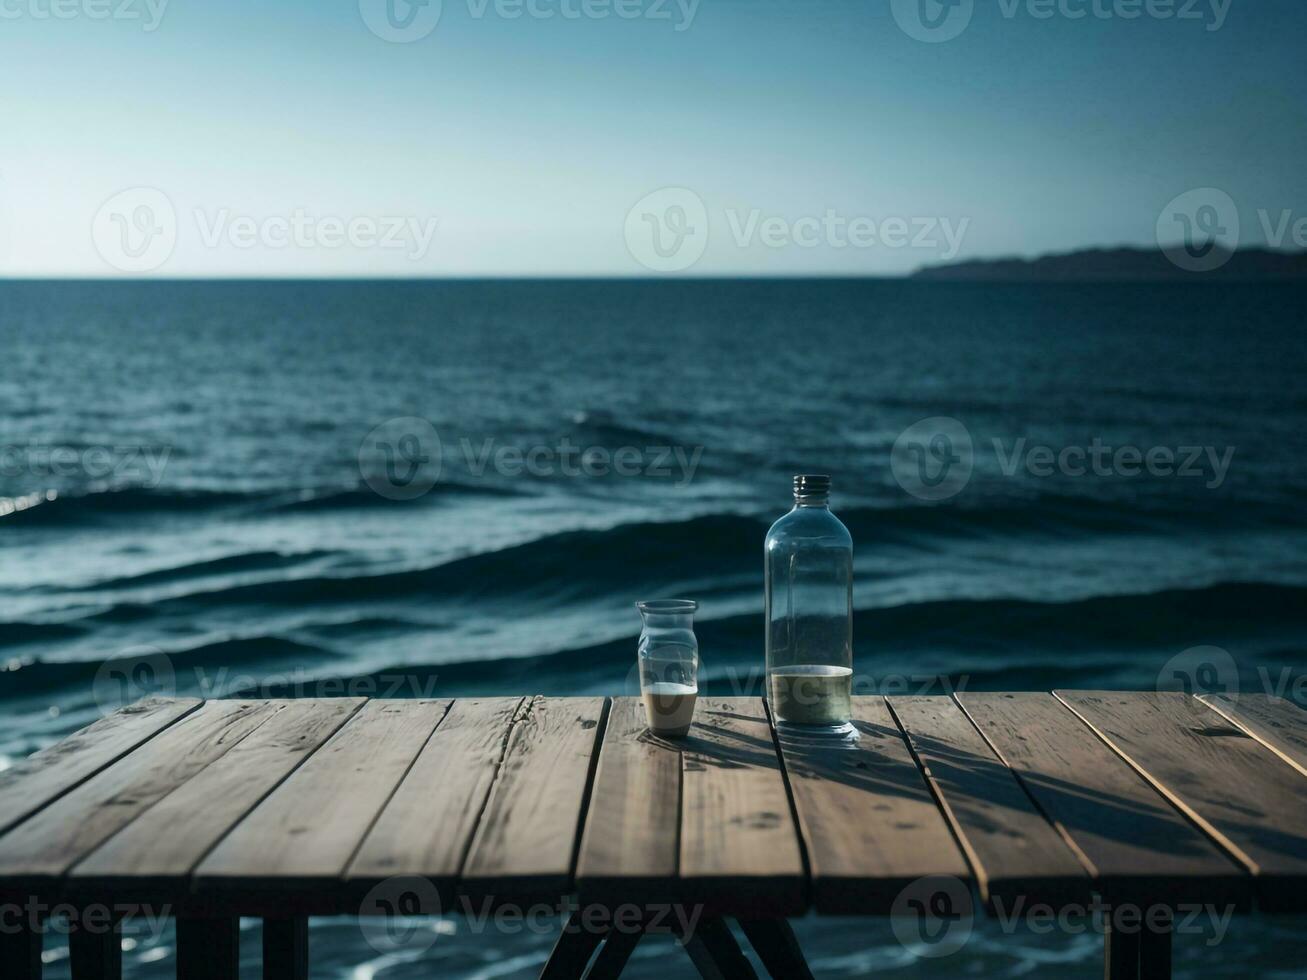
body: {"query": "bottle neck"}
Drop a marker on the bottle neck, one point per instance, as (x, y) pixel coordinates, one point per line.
(668, 621)
(810, 500)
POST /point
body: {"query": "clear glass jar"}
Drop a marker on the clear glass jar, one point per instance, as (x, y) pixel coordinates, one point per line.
(809, 556)
(669, 664)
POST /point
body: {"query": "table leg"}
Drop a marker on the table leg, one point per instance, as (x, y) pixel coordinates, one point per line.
(778, 948)
(1155, 951)
(1120, 954)
(614, 953)
(716, 954)
(286, 948)
(20, 953)
(576, 944)
(96, 953)
(208, 949)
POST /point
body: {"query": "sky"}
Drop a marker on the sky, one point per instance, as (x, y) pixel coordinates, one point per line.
(637, 137)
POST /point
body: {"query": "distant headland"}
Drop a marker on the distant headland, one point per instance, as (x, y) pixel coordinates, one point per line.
(1122, 265)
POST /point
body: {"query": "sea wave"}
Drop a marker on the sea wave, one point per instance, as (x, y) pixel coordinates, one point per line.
(66, 508)
(1109, 641)
(21, 633)
(250, 561)
(995, 642)
(703, 552)
(204, 669)
(53, 509)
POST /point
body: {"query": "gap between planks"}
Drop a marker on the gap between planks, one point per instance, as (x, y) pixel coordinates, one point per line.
(485, 873)
(596, 751)
(1189, 813)
(101, 867)
(326, 737)
(804, 859)
(1233, 787)
(1057, 825)
(380, 849)
(390, 795)
(1265, 717)
(1141, 847)
(978, 872)
(86, 748)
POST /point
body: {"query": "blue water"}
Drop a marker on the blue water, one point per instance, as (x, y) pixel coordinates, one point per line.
(183, 477)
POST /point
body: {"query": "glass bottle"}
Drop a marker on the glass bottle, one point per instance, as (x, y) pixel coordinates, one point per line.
(809, 556)
(668, 655)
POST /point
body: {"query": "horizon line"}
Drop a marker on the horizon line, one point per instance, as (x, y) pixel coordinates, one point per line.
(656, 277)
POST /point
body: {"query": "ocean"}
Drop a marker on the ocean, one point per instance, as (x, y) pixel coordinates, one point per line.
(452, 488)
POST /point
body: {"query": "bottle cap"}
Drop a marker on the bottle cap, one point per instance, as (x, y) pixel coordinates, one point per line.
(806, 484)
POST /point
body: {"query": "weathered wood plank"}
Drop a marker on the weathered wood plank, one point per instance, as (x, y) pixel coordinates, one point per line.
(1278, 724)
(427, 827)
(42, 848)
(525, 844)
(1238, 791)
(300, 839)
(867, 816)
(161, 847)
(740, 850)
(48, 774)
(1012, 848)
(1137, 847)
(629, 847)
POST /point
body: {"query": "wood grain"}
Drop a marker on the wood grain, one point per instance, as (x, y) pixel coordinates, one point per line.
(32, 783)
(1237, 790)
(427, 827)
(525, 845)
(1278, 724)
(161, 847)
(629, 850)
(42, 848)
(867, 816)
(1013, 849)
(740, 849)
(1135, 844)
(293, 807)
(302, 837)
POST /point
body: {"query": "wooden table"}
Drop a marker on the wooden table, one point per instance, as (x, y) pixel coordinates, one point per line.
(285, 809)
